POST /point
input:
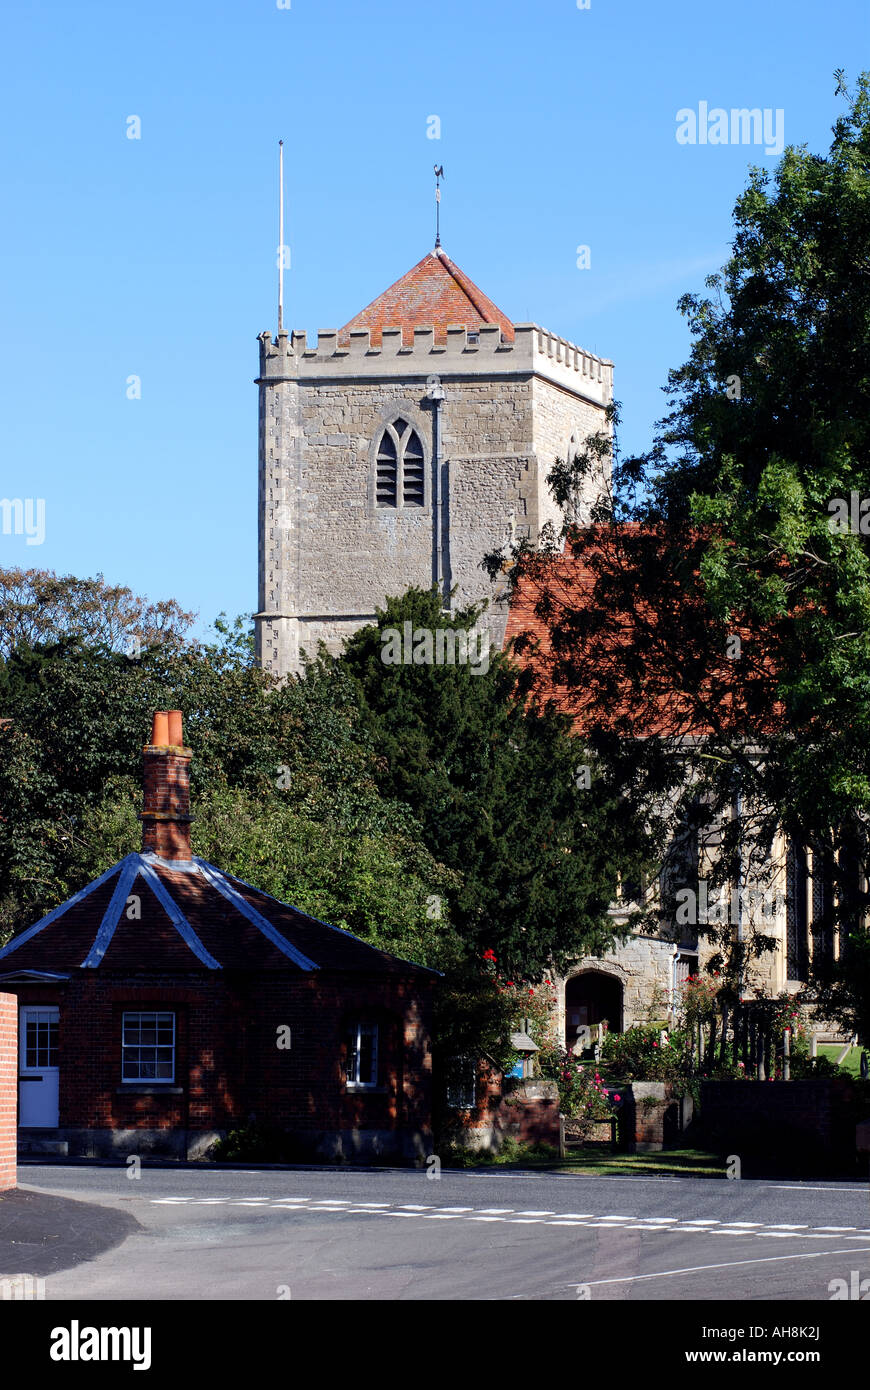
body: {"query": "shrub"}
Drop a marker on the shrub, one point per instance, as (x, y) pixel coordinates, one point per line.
(639, 1054)
(254, 1143)
(583, 1096)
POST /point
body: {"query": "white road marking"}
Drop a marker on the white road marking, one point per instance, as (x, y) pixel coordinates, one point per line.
(533, 1217)
(801, 1187)
(697, 1269)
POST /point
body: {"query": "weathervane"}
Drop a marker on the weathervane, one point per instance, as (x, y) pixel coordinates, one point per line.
(439, 174)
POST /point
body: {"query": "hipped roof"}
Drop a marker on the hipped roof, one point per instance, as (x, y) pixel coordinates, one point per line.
(194, 916)
(434, 293)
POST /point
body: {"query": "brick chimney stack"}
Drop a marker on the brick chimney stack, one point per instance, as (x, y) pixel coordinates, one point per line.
(166, 783)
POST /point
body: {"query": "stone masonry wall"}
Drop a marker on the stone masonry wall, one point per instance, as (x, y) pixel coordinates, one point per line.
(328, 556)
(560, 417)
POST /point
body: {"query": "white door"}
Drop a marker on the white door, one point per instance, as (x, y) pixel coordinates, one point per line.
(38, 1068)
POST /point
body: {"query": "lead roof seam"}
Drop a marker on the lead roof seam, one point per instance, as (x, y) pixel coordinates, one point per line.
(103, 939)
(218, 881)
(64, 907)
(177, 917)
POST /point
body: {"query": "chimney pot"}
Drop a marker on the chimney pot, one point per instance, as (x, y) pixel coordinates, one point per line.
(176, 733)
(160, 729)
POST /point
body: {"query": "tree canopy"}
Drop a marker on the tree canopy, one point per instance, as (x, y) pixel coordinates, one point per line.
(721, 599)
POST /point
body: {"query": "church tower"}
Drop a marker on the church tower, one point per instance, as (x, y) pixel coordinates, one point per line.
(403, 447)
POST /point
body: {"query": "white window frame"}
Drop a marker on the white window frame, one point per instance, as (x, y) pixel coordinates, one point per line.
(45, 1020)
(357, 1028)
(157, 1015)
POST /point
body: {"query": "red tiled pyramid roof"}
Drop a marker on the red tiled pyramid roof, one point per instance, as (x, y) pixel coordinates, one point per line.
(435, 293)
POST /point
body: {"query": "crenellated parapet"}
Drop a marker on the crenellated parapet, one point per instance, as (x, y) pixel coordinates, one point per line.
(484, 350)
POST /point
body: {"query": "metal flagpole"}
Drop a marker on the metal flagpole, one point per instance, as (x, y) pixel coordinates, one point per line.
(280, 235)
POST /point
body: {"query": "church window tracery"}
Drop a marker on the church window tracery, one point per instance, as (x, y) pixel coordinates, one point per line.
(400, 467)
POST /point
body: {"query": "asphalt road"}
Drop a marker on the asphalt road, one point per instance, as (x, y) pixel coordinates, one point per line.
(398, 1235)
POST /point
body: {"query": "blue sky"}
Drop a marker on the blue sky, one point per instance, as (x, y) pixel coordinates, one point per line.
(156, 257)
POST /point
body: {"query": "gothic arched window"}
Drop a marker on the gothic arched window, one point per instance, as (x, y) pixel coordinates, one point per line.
(399, 463)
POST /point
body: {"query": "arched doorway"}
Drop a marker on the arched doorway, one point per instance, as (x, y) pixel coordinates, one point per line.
(592, 997)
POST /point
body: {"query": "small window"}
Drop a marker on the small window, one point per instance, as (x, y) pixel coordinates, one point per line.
(361, 1067)
(40, 1038)
(631, 889)
(400, 461)
(388, 470)
(413, 491)
(462, 1083)
(148, 1047)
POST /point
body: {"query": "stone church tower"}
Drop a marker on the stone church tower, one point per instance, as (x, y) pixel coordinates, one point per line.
(402, 448)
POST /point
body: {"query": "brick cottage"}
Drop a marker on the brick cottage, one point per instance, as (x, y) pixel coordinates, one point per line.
(168, 1002)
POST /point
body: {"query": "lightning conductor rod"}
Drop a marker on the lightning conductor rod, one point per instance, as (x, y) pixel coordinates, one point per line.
(280, 235)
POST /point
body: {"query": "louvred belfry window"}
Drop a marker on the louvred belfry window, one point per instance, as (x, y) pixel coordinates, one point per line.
(400, 462)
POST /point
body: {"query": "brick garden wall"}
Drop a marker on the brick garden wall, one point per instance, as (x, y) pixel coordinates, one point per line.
(8, 1089)
(528, 1114)
(811, 1124)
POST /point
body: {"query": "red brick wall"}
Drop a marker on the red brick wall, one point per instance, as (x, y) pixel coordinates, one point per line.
(527, 1120)
(811, 1122)
(8, 1088)
(228, 1063)
(166, 802)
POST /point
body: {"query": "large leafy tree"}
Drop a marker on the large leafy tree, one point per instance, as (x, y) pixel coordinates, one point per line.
(39, 607)
(505, 795)
(283, 785)
(715, 602)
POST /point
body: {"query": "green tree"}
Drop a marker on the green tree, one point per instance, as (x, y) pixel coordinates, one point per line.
(282, 778)
(41, 607)
(713, 603)
(505, 796)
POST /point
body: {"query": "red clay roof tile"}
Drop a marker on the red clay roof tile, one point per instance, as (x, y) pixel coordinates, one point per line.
(435, 293)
